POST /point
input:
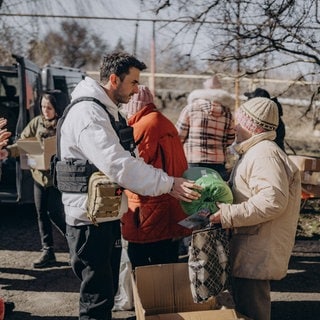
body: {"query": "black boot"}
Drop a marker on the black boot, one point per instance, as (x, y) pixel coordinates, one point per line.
(8, 308)
(47, 259)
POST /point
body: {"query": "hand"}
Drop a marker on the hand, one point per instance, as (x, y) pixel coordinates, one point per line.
(3, 122)
(215, 218)
(4, 154)
(4, 135)
(185, 190)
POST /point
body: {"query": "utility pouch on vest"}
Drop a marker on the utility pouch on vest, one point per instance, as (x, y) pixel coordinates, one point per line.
(104, 197)
(72, 175)
(126, 139)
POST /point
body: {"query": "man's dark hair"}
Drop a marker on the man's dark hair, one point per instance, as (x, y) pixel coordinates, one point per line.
(119, 63)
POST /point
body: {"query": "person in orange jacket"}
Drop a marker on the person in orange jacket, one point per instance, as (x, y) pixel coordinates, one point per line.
(151, 224)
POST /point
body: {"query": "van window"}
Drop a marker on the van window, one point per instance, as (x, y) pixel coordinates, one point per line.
(61, 78)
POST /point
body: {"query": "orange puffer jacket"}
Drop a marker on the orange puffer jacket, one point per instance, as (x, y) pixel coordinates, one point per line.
(151, 219)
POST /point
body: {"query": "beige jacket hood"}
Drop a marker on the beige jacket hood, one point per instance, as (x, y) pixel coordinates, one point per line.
(267, 191)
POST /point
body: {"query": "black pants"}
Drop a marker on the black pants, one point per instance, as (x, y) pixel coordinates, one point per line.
(160, 252)
(49, 210)
(95, 253)
(220, 168)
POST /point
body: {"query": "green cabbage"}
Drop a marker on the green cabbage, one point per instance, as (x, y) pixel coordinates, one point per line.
(215, 189)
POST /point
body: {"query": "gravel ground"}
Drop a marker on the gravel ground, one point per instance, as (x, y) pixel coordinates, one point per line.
(52, 294)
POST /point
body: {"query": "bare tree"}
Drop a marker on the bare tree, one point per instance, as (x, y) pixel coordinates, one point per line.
(260, 35)
(73, 46)
(247, 37)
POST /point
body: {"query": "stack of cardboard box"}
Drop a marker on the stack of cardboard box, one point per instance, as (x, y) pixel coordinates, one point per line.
(310, 174)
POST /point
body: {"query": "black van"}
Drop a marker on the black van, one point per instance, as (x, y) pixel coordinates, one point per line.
(21, 86)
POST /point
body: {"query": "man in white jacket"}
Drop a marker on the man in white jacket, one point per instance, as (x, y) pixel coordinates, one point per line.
(87, 133)
(267, 190)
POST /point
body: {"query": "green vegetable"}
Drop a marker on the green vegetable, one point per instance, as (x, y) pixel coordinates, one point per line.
(215, 189)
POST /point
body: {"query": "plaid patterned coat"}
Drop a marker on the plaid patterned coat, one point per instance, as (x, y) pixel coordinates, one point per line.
(206, 130)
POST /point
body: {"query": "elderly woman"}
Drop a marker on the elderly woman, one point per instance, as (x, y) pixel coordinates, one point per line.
(266, 187)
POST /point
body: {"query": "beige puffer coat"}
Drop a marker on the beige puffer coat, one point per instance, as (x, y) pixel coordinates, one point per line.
(267, 192)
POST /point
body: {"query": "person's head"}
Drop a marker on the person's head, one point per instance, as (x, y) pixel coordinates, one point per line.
(259, 92)
(255, 116)
(53, 103)
(212, 83)
(119, 76)
(219, 96)
(138, 101)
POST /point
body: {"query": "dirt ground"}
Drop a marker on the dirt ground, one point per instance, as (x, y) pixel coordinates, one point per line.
(52, 293)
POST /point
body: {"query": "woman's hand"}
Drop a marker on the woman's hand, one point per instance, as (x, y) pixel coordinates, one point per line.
(3, 122)
(4, 154)
(4, 135)
(216, 217)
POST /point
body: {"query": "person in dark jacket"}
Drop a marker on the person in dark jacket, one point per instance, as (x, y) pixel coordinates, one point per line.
(6, 307)
(47, 198)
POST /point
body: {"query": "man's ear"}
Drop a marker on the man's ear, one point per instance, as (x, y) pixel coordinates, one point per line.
(114, 80)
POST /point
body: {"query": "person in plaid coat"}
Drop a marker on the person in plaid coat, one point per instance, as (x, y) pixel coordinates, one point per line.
(206, 129)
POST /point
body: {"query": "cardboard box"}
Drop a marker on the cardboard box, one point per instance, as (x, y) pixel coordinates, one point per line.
(36, 155)
(162, 292)
(312, 190)
(306, 163)
(310, 177)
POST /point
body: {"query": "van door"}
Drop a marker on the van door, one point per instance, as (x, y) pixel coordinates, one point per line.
(20, 89)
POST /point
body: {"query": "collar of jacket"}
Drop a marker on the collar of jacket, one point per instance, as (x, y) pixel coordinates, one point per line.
(148, 108)
(244, 146)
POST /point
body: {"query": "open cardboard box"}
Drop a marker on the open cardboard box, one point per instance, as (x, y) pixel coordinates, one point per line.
(162, 292)
(36, 155)
(305, 163)
(310, 177)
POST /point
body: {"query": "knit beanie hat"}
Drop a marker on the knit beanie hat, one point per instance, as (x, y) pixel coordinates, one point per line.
(138, 101)
(258, 115)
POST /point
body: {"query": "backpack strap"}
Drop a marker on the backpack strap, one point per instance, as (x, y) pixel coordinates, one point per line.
(117, 125)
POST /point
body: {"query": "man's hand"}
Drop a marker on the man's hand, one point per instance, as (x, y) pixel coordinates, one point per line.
(185, 190)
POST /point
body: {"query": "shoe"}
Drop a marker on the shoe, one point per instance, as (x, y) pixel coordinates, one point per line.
(8, 308)
(47, 259)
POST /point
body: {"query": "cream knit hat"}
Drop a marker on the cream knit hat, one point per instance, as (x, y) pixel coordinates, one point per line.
(258, 115)
(138, 101)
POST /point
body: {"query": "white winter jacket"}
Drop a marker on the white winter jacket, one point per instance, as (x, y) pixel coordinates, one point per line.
(87, 133)
(267, 192)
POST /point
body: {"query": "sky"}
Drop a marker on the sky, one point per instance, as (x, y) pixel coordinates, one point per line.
(114, 26)
(107, 29)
